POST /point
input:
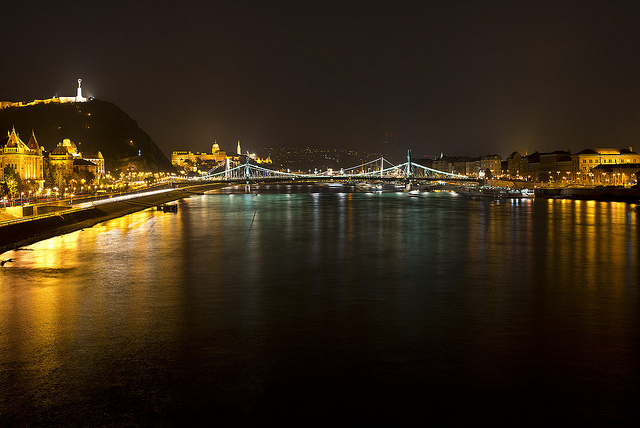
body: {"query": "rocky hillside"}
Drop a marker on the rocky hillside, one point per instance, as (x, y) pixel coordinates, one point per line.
(94, 126)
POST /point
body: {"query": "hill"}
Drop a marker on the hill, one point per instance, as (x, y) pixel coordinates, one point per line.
(310, 158)
(94, 126)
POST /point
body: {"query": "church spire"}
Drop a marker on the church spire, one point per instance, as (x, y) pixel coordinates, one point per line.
(238, 150)
(33, 143)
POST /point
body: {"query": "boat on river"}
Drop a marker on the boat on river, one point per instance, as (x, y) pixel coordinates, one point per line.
(377, 187)
(492, 192)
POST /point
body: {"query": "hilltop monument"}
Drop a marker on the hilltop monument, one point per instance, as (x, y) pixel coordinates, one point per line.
(79, 97)
(56, 99)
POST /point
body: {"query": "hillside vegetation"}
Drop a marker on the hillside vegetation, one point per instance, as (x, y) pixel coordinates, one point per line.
(94, 126)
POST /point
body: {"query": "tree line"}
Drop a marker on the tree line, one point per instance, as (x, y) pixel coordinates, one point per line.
(54, 177)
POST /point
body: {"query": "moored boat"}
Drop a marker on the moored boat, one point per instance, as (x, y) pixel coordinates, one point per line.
(492, 192)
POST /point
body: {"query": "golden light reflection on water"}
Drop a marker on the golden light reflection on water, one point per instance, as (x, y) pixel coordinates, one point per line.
(245, 284)
(583, 236)
(98, 281)
(570, 240)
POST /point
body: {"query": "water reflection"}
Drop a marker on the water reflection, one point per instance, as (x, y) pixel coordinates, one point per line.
(239, 302)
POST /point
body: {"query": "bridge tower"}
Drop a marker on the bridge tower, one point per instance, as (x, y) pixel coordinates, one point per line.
(247, 172)
(409, 171)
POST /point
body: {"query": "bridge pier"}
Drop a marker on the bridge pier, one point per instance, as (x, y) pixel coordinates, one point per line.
(408, 187)
(247, 188)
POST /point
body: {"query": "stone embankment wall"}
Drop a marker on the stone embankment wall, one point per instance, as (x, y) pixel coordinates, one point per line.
(598, 194)
(18, 234)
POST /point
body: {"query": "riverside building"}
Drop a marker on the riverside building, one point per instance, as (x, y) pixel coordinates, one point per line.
(25, 159)
(67, 159)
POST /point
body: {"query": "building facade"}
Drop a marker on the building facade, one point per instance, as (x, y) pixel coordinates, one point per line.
(586, 161)
(188, 159)
(66, 159)
(25, 159)
(492, 163)
(514, 165)
(556, 167)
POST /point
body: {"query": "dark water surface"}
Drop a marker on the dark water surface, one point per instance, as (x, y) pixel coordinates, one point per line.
(328, 308)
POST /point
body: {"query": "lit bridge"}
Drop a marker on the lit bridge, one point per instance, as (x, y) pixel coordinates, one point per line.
(376, 170)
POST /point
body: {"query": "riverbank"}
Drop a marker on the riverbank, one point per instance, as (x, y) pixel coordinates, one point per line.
(30, 230)
(618, 194)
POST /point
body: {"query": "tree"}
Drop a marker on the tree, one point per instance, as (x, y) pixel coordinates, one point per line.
(28, 186)
(12, 180)
(49, 180)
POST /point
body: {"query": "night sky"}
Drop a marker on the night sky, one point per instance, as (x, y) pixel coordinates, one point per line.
(457, 77)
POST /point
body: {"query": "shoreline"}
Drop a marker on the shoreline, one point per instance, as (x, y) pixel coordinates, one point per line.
(602, 194)
(30, 231)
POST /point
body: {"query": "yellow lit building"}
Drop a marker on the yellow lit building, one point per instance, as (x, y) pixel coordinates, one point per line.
(67, 159)
(182, 158)
(621, 174)
(492, 163)
(25, 159)
(189, 160)
(98, 160)
(585, 161)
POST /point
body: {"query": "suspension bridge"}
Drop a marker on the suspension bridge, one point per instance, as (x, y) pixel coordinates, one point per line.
(376, 170)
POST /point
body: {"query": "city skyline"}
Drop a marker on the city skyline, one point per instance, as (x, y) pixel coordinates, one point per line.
(463, 78)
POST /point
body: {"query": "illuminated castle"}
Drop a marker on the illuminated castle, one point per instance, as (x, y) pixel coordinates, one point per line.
(190, 160)
(77, 99)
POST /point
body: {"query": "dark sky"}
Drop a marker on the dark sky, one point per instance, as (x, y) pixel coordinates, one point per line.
(458, 77)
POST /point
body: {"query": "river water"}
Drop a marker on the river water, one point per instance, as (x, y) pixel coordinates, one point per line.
(314, 307)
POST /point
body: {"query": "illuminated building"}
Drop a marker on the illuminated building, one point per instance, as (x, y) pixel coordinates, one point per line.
(442, 164)
(492, 163)
(620, 174)
(531, 166)
(61, 159)
(67, 159)
(25, 159)
(190, 160)
(452, 164)
(549, 167)
(472, 167)
(585, 161)
(97, 159)
(556, 166)
(514, 165)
